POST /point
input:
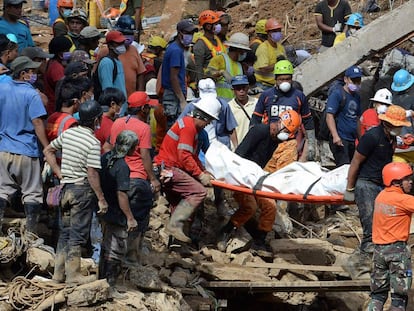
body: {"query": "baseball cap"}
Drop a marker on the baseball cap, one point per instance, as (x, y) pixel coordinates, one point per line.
(90, 32)
(14, 2)
(140, 99)
(22, 63)
(239, 80)
(186, 25)
(35, 52)
(75, 68)
(353, 72)
(81, 56)
(115, 36)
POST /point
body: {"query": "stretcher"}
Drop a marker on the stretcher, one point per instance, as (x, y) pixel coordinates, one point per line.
(300, 198)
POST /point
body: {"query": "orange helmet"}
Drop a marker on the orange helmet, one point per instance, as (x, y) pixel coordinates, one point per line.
(208, 17)
(395, 171)
(272, 24)
(291, 120)
(65, 3)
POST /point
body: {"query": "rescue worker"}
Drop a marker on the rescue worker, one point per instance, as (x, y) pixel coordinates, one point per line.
(77, 20)
(283, 96)
(392, 269)
(258, 146)
(364, 182)
(153, 56)
(261, 35)
(82, 193)
(223, 67)
(209, 44)
(225, 20)
(59, 26)
(354, 22)
(183, 176)
(268, 53)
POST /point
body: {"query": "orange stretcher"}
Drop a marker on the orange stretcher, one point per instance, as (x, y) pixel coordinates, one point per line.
(300, 198)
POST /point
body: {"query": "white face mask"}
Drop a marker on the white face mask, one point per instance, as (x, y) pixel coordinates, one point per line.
(282, 136)
(285, 87)
(381, 109)
(395, 132)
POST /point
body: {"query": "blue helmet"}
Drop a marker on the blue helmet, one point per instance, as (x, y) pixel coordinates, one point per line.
(402, 80)
(125, 24)
(356, 20)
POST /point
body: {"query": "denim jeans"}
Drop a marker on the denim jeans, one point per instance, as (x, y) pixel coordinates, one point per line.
(140, 201)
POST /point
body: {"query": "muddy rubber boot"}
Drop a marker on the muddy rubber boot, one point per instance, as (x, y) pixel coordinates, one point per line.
(32, 211)
(132, 256)
(111, 272)
(59, 271)
(73, 268)
(225, 234)
(3, 205)
(175, 227)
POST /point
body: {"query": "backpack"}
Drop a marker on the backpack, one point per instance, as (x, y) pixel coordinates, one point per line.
(97, 87)
(324, 132)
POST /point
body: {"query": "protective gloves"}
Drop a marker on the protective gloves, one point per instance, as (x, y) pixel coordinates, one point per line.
(205, 179)
(349, 196)
(312, 145)
(337, 27)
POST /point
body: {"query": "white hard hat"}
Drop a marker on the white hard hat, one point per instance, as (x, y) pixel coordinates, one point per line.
(151, 87)
(207, 87)
(383, 96)
(238, 40)
(209, 105)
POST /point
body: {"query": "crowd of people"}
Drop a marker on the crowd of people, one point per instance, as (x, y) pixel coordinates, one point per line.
(109, 126)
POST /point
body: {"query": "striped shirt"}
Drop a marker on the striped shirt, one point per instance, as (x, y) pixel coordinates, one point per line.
(80, 150)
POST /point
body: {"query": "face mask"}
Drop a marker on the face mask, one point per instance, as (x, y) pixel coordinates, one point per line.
(395, 132)
(187, 39)
(242, 57)
(276, 36)
(250, 70)
(285, 87)
(66, 56)
(66, 12)
(282, 136)
(33, 78)
(121, 49)
(381, 109)
(353, 87)
(217, 28)
(129, 40)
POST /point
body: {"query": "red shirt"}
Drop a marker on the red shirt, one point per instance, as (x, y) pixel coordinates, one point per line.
(392, 216)
(179, 147)
(54, 72)
(105, 131)
(143, 131)
(368, 120)
(57, 123)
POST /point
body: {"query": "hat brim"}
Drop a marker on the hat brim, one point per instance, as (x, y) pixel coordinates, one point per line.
(237, 46)
(379, 101)
(153, 102)
(383, 117)
(211, 116)
(45, 55)
(404, 87)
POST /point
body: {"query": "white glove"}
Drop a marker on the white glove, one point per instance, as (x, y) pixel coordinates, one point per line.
(349, 196)
(205, 179)
(337, 27)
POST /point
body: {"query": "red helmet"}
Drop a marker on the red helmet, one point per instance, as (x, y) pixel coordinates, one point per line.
(272, 24)
(208, 17)
(395, 171)
(65, 3)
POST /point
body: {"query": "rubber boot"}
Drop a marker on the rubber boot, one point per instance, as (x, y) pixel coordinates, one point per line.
(3, 205)
(132, 256)
(59, 271)
(73, 268)
(225, 234)
(111, 271)
(32, 211)
(259, 241)
(175, 227)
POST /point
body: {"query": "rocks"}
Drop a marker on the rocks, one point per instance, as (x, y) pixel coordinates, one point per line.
(43, 259)
(88, 294)
(145, 278)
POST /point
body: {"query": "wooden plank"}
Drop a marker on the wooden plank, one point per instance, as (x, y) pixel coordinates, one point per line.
(289, 266)
(379, 35)
(296, 286)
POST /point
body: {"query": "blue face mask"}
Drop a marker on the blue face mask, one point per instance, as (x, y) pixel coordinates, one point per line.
(242, 57)
(33, 78)
(276, 36)
(217, 28)
(250, 70)
(187, 39)
(66, 12)
(129, 40)
(120, 49)
(354, 87)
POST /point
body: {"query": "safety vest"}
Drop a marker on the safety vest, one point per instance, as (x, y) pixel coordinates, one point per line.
(214, 49)
(256, 40)
(223, 88)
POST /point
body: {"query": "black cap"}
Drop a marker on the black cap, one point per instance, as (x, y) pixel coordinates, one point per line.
(90, 110)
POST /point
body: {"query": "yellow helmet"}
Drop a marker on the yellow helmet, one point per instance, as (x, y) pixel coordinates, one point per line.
(157, 41)
(260, 26)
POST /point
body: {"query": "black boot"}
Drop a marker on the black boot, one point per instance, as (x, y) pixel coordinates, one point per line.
(225, 235)
(259, 241)
(111, 271)
(32, 211)
(3, 205)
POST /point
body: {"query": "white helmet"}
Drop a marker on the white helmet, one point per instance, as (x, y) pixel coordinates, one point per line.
(383, 96)
(209, 105)
(238, 40)
(207, 87)
(151, 87)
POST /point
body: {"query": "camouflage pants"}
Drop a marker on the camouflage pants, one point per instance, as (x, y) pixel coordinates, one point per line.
(391, 271)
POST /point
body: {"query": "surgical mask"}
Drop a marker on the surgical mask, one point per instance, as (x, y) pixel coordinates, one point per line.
(250, 70)
(285, 87)
(396, 131)
(129, 40)
(283, 136)
(120, 49)
(242, 57)
(381, 109)
(187, 39)
(217, 28)
(33, 78)
(66, 56)
(353, 87)
(66, 12)
(276, 36)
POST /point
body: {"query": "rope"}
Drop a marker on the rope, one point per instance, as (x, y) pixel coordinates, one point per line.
(24, 293)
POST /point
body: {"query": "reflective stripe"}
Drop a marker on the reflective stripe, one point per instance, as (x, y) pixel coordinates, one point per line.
(215, 50)
(173, 135)
(181, 123)
(185, 147)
